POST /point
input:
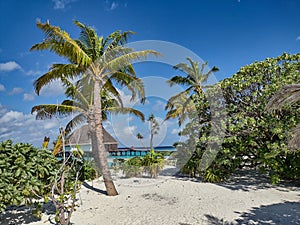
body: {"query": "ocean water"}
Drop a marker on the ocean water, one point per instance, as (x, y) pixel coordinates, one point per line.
(124, 153)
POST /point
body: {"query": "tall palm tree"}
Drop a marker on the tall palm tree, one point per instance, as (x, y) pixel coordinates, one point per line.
(154, 128)
(97, 62)
(194, 77)
(287, 95)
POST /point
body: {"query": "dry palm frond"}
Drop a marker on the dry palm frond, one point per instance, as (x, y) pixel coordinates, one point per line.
(294, 143)
(287, 95)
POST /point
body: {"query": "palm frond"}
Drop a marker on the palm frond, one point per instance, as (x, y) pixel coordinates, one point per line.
(117, 38)
(74, 103)
(294, 142)
(75, 122)
(203, 65)
(179, 80)
(207, 75)
(183, 67)
(186, 108)
(287, 95)
(122, 61)
(178, 96)
(109, 87)
(75, 93)
(195, 74)
(51, 110)
(57, 71)
(133, 84)
(90, 39)
(59, 42)
(126, 110)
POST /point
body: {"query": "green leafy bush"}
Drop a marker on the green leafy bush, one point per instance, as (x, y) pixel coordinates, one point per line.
(253, 137)
(26, 173)
(151, 163)
(88, 171)
(133, 167)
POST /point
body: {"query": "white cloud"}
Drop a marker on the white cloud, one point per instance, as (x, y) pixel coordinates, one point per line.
(16, 90)
(174, 131)
(2, 88)
(110, 6)
(170, 122)
(159, 106)
(129, 119)
(126, 99)
(53, 89)
(9, 66)
(114, 5)
(49, 124)
(129, 130)
(61, 4)
(33, 72)
(20, 127)
(11, 116)
(3, 129)
(28, 97)
(298, 38)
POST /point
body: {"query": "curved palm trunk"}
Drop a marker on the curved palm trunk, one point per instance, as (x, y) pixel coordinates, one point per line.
(97, 142)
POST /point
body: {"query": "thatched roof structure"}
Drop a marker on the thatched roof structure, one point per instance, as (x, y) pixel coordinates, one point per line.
(81, 136)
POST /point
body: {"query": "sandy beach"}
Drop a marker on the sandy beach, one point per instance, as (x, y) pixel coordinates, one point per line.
(247, 198)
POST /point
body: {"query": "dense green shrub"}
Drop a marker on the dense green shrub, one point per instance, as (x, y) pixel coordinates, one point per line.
(26, 173)
(253, 137)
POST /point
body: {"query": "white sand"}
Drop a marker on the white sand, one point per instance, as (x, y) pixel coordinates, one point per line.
(168, 200)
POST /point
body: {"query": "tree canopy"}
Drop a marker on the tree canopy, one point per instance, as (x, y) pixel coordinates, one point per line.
(255, 137)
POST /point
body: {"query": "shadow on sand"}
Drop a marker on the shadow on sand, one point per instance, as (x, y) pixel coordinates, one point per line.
(23, 214)
(85, 184)
(275, 214)
(249, 179)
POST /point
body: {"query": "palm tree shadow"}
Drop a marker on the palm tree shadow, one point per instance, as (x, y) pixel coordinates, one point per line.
(279, 213)
(85, 184)
(18, 215)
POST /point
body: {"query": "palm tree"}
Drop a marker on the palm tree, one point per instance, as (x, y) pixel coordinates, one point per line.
(287, 95)
(140, 137)
(184, 102)
(77, 104)
(154, 128)
(100, 61)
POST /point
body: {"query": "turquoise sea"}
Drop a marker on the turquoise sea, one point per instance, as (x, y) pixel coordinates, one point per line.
(123, 152)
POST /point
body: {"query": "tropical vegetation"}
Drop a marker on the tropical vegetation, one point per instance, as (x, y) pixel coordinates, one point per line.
(151, 164)
(250, 120)
(253, 137)
(194, 77)
(27, 174)
(287, 95)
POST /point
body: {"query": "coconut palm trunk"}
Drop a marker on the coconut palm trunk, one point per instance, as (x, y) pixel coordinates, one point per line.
(98, 143)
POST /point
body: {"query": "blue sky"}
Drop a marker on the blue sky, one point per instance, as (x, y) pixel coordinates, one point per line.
(226, 33)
